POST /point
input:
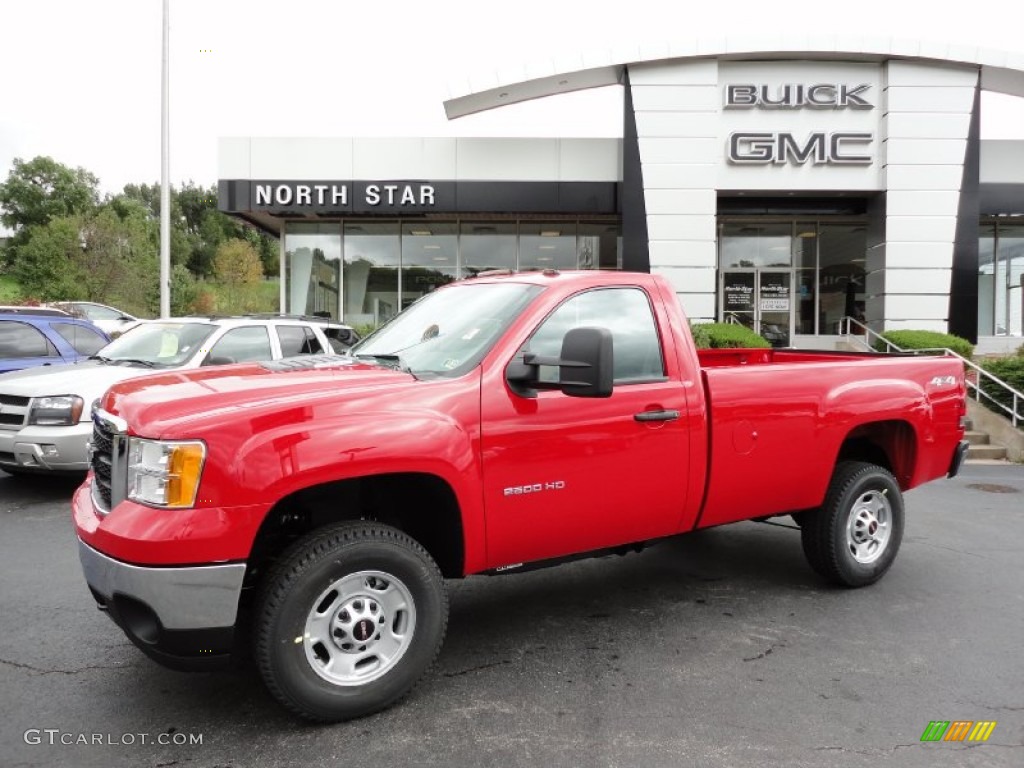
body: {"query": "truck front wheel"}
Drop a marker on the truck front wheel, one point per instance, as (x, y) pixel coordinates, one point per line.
(853, 539)
(348, 620)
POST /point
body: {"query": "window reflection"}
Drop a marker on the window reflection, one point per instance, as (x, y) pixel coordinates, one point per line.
(841, 276)
(547, 245)
(753, 244)
(388, 265)
(599, 246)
(987, 280)
(314, 268)
(1000, 271)
(429, 258)
(372, 255)
(487, 245)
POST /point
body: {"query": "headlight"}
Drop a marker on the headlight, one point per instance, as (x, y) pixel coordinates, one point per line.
(164, 473)
(57, 411)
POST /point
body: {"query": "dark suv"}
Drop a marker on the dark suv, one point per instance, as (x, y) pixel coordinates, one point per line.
(30, 340)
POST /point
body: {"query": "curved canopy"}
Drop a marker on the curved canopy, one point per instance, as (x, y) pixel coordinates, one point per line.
(1001, 71)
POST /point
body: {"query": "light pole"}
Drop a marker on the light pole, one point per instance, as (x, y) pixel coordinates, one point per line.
(165, 174)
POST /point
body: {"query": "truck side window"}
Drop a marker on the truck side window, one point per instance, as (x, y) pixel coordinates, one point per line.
(626, 312)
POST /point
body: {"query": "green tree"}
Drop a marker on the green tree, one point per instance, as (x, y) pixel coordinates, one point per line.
(198, 229)
(119, 260)
(237, 266)
(94, 257)
(42, 189)
(184, 291)
(46, 267)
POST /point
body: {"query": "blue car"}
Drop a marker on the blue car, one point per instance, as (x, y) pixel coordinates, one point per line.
(28, 340)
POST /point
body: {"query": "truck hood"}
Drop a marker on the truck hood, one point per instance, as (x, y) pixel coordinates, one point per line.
(171, 404)
(88, 379)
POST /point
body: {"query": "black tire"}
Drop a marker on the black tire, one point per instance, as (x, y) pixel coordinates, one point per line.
(334, 576)
(845, 540)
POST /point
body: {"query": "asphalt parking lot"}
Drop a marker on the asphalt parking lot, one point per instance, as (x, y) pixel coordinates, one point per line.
(719, 648)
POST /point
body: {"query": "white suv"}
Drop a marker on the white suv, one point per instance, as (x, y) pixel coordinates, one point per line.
(45, 413)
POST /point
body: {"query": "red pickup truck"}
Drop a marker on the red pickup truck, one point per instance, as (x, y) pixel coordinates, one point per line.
(309, 510)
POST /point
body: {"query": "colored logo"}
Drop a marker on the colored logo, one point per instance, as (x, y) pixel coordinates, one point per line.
(958, 730)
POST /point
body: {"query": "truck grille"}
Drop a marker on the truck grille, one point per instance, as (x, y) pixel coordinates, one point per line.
(108, 458)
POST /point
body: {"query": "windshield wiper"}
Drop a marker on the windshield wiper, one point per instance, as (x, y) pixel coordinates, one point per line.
(101, 358)
(135, 361)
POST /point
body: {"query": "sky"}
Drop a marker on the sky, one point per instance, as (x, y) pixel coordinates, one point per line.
(80, 79)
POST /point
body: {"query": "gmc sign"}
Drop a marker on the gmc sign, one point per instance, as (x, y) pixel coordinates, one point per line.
(819, 148)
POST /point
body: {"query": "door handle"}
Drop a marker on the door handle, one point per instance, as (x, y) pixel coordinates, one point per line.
(656, 416)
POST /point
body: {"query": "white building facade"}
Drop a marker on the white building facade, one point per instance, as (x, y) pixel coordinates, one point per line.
(781, 187)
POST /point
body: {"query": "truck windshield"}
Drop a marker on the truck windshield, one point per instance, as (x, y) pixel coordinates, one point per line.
(447, 332)
(158, 344)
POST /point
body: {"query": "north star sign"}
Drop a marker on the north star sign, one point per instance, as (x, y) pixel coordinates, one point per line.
(817, 147)
(336, 195)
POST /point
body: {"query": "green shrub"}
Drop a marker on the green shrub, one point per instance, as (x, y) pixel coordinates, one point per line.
(727, 335)
(701, 337)
(1010, 370)
(364, 329)
(911, 339)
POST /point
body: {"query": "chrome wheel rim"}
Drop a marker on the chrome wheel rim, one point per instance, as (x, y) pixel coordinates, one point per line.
(359, 628)
(869, 527)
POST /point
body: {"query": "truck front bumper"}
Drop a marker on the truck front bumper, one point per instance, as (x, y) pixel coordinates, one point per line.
(182, 617)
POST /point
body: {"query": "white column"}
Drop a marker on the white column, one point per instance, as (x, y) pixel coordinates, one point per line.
(926, 124)
(676, 109)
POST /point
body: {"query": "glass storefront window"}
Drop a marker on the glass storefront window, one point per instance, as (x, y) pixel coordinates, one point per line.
(487, 245)
(430, 253)
(599, 246)
(388, 265)
(805, 259)
(372, 255)
(827, 278)
(987, 280)
(314, 268)
(842, 250)
(1000, 270)
(755, 244)
(547, 245)
(1011, 247)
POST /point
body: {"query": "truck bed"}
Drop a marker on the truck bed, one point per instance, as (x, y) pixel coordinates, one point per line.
(778, 419)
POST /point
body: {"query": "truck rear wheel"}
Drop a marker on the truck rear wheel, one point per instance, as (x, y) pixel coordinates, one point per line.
(853, 539)
(349, 620)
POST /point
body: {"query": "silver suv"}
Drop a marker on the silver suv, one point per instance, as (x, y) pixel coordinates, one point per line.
(45, 413)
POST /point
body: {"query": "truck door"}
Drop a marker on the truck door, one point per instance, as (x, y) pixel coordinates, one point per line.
(569, 474)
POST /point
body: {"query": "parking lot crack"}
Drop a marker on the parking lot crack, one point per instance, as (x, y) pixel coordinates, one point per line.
(477, 669)
(763, 654)
(41, 671)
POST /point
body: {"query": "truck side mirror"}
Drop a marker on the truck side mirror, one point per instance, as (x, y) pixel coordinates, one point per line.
(585, 366)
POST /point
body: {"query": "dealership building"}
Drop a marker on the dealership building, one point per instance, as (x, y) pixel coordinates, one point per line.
(783, 186)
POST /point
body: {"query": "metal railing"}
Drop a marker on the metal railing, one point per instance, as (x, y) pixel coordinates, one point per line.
(980, 383)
